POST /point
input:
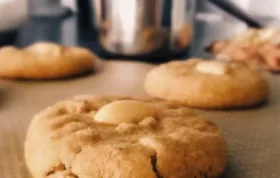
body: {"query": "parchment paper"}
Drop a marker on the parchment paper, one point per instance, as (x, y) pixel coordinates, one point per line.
(253, 135)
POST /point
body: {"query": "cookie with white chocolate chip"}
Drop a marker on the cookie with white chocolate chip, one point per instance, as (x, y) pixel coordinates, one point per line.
(45, 60)
(208, 84)
(113, 137)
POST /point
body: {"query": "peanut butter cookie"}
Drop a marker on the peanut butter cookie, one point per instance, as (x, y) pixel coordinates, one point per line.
(119, 137)
(44, 60)
(210, 84)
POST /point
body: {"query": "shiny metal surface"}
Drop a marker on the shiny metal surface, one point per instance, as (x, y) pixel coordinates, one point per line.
(47, 8)
(137, 27)
(96, 5)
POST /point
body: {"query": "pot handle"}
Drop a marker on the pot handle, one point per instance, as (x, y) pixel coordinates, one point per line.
(237, 12)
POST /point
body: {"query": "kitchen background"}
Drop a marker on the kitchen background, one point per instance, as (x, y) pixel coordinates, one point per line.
(260, 7)
(12, 10)
(14, 13)
(269, 7)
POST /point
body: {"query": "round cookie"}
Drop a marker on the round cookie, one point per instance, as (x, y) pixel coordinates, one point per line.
(209, 84)
(45, 60)
(112, 137)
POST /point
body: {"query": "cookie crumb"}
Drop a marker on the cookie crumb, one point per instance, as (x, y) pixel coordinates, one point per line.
(125, 127)
(148, 122)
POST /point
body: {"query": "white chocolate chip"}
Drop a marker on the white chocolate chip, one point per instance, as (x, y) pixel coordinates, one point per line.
(212, 67)
(43, 48)
(124, 111)
(125, 127)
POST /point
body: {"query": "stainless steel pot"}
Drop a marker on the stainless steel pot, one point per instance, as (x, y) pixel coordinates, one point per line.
(140, 27)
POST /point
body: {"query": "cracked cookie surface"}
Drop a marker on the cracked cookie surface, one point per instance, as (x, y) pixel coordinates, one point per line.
(79, 138)
(44, 60)
(209, 84)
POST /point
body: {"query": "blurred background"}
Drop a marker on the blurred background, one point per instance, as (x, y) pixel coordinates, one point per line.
(72, 22)
(256, 7)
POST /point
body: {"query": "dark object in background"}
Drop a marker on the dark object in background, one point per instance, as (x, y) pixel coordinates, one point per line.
(42, 29)
(237, 12)
(85, 13)
(14, 15)
(8, 37)
(47, 9)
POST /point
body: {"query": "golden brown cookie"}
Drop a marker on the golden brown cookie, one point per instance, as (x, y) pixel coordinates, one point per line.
(259, 46)
(45, 60)
(208, 84)
(113, 137)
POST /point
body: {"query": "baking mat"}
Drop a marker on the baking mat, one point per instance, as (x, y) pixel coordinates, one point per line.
(253, 135)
